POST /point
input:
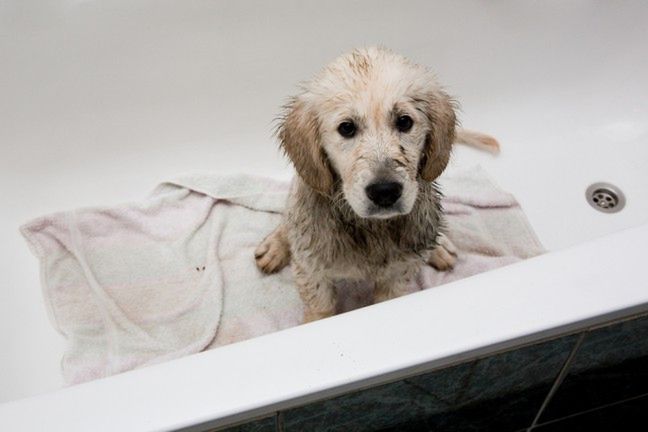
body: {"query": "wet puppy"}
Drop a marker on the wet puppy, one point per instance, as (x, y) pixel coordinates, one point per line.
(368, 136)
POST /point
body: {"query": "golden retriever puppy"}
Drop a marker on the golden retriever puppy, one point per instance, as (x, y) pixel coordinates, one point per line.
(368, 136)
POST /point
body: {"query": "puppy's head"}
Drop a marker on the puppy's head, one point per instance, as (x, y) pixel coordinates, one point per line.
(376, 122)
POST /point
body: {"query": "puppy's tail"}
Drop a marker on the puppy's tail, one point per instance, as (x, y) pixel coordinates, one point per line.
(477, 140)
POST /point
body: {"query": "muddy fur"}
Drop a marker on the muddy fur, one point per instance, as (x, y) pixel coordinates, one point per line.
(332, 229)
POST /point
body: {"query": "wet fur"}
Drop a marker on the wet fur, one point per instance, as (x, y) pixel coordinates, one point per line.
(322, 233)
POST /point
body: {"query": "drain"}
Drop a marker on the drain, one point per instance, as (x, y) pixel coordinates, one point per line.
(605, 197)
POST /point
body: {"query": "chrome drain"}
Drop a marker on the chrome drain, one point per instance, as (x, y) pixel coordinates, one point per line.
(605, 197)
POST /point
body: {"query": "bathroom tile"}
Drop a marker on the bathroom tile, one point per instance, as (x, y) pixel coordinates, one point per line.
(503, 392)
(367, 410)
(500, 393)
(626, 416)
(509, 372)
(611, 365)
(512, 412)
(263, 425)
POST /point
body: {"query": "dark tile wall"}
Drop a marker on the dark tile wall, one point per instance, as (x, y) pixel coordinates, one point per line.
(611, 365)
(502, 392)
(268, 424)
(604, 382)
(630, 415)
(513, 384)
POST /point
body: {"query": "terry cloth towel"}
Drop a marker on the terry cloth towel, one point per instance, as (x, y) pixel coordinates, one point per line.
(174, 274)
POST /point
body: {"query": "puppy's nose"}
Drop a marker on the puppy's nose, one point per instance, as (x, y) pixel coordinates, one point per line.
(384, 194)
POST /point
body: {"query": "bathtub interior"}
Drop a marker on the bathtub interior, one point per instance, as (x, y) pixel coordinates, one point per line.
(104, 100)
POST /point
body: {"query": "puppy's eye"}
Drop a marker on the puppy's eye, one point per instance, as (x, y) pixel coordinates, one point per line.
(347, 129)
(404, 123)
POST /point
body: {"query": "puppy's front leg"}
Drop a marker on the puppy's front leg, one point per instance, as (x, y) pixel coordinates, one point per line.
(273, 253)
(317, 292)
(444, 256)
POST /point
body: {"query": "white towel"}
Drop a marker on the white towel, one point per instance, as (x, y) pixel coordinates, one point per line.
(174, 274)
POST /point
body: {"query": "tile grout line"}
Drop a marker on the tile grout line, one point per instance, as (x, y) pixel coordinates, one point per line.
(279, 421)
(559, 379)
(602, 407)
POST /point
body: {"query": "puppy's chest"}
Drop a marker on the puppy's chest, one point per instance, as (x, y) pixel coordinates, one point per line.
(366, 251)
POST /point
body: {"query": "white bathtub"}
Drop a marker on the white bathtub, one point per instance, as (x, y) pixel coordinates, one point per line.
(102, 100)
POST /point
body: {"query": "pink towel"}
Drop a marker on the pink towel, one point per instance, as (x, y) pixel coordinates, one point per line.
(174, 274)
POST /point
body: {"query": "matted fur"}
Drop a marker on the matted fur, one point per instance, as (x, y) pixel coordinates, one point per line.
(331, 230)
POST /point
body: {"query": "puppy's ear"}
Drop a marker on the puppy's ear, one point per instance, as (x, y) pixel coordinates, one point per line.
(439, 109)
(299, 136)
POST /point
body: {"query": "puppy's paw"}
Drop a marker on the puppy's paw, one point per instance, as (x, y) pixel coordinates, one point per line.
(272, 254)
(444, 256)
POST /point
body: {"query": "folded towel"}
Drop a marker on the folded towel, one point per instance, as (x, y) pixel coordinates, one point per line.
(174, 274)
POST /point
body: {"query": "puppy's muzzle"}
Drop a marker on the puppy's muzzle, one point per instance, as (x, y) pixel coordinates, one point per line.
(384, 194)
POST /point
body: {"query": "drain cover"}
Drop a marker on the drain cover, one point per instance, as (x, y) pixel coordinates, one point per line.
(605, 197)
